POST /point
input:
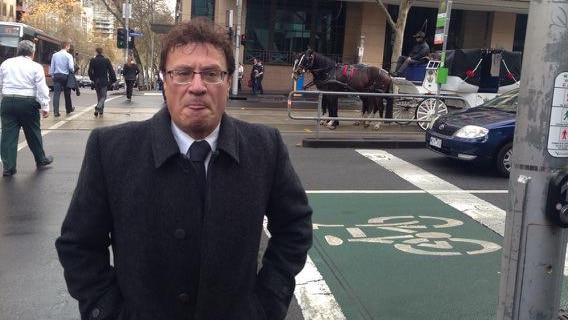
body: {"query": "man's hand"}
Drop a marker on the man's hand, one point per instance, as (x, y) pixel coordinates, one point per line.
(44, 113)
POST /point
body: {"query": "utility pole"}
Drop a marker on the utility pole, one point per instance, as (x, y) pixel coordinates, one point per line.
(535, 243)
(237, 35)
(126, 16)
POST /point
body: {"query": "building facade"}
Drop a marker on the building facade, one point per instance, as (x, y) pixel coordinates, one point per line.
(8, 10)
(276, 31)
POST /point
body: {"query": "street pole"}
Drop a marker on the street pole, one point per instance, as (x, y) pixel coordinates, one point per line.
(126, 12)
(534, 244)
(237, 35)
(152, 75)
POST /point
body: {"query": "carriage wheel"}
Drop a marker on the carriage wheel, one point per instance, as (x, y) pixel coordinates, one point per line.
(404, 112)
(426, 111)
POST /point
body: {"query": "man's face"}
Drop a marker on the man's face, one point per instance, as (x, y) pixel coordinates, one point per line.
(196, 108)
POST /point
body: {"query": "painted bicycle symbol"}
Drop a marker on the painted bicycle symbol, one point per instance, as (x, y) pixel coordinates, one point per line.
(408, 234)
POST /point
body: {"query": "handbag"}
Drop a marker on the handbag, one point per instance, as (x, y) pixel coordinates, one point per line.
(71, 81)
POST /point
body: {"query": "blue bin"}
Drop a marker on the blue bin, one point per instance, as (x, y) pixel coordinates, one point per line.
(415, 72)
(300, 83)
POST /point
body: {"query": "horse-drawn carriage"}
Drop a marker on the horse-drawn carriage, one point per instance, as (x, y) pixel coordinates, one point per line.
(474, 76)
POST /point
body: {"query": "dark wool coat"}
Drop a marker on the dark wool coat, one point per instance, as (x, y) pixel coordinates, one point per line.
(173, 260)
(101, 71)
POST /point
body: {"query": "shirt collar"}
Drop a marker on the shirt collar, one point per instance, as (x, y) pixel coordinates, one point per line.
(184, 140)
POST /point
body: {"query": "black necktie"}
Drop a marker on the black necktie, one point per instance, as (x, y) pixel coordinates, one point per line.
(198, 151)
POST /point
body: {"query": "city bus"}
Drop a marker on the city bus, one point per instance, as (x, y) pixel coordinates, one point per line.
(11, 33)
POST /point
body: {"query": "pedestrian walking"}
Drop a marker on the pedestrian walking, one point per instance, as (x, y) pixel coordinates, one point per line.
(259, 74)
(130, 72)
(186, 228)
(102, 74)
(25, 96)
(62, 65)
(253, 73)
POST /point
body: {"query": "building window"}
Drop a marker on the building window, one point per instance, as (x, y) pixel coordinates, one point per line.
(276, 31)
(203, 8)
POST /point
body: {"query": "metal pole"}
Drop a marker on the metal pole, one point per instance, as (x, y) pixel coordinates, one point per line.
(446, 29)
(152, 75)
(234, 85)
(361, 50)
(534, 247)
(126, 16)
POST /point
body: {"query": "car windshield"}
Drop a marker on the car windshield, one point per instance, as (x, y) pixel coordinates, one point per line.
(506, 102)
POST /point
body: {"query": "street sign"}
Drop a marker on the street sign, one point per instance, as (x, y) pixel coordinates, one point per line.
(558, 125)
(135, 34)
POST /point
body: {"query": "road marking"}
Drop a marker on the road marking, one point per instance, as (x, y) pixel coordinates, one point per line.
(402, 191)
(478, 209)
(313, 294)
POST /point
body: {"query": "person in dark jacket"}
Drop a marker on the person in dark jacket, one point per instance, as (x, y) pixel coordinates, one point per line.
(102, 74)
(130, 71)
(417, 54)
(183, 247)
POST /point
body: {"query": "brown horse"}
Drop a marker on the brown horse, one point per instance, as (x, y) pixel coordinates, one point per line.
(329, 76)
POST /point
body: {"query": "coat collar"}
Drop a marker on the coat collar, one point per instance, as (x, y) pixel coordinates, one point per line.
(164, 144)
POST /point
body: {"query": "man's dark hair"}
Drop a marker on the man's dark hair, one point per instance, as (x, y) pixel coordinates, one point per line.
(99, 50)
(198, 30)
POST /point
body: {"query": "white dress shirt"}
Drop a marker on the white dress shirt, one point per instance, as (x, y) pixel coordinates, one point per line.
(23, 76)
(61, 62)
(184, 141)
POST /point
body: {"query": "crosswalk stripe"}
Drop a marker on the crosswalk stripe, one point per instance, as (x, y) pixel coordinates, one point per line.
(478, 209)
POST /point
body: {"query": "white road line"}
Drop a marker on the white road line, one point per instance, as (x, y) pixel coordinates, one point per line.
(314, 296)
(478, 209)
(402, 191)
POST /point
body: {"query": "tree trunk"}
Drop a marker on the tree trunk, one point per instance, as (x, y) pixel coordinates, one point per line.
(398, 27)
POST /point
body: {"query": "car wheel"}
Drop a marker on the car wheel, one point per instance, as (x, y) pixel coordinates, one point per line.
(504, 160)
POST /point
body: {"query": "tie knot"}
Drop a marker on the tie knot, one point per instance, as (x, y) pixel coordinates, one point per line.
(199, 150)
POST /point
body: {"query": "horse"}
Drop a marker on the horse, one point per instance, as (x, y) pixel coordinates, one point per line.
(329, 76)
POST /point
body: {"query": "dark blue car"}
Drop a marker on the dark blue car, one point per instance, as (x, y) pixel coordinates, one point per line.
(483, 133)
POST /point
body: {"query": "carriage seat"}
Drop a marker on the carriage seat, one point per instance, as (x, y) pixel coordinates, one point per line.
(415, 72)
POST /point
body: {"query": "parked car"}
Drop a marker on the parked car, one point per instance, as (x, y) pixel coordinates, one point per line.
(483, 133)
(116, 85)
(84, 81)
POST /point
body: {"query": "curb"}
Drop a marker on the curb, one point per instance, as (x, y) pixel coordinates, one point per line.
(372, 143)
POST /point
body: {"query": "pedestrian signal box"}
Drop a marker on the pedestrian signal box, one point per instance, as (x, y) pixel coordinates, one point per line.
(121, 38)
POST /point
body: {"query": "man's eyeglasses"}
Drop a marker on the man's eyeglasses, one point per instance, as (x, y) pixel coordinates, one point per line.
(185, 76)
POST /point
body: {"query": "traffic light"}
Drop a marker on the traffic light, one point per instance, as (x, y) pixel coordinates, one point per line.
(243, 39)
(121, 38)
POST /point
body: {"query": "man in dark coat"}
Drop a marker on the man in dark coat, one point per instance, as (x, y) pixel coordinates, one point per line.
(102, 74)
(418, 54)
(182, 250)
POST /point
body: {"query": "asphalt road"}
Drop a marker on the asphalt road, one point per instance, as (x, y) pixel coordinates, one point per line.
(33, 203)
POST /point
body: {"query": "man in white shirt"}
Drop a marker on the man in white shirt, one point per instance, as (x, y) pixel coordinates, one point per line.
(61, 66)
(24, 96)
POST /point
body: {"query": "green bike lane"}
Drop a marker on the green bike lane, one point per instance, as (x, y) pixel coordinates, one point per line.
(429, 252)
(404, 256)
